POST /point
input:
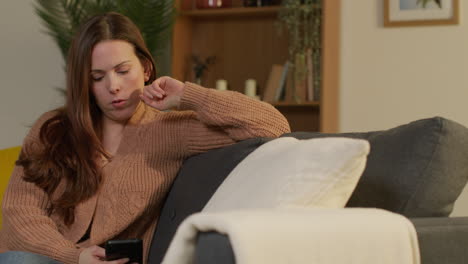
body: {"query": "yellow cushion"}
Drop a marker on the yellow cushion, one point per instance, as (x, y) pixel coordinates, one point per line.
(7, 163)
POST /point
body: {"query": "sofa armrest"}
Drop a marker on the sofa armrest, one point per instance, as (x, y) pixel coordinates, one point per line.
(442, 239)
(213, 248)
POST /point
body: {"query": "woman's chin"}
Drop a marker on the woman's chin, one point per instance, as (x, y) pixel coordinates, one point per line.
(121, 116)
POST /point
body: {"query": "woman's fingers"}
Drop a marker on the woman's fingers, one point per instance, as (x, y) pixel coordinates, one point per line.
(164, 93)
(159, 84)
(154, 91)
(149, 101)
(118, 261)
(159, 104)
(98, 251)
(148, 94)
(97, 255)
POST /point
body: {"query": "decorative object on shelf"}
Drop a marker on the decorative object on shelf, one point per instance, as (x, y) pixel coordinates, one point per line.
(154, 18)
(420, 12)
(221, 85)
(302, 20)
(251, 88)
(201, 4)
(200, 66)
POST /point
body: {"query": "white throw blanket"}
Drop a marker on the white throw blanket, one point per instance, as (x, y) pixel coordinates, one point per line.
(304, 235)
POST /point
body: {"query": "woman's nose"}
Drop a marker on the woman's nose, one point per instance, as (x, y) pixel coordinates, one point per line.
(113, 84)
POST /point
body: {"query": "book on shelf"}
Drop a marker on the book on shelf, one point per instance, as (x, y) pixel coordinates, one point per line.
(317, 69)
(280, 92)
(273, 83)
(289, 85)
(296, 88)
(300, 78)
(310, 76)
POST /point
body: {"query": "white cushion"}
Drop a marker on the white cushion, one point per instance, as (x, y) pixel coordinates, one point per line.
(287, 172)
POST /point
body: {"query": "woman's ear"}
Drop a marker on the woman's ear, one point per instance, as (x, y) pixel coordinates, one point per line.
(147, 76)
(148, 70)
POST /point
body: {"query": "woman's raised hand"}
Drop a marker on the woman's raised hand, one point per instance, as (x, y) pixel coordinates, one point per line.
(164, 93)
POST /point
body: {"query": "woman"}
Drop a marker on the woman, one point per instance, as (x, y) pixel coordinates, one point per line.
(99, 168)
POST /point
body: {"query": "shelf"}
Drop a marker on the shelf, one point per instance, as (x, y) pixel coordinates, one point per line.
(246, 44)
(290, 104)
(232, 12)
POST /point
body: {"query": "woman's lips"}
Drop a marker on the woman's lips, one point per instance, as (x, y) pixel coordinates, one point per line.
(119, 103)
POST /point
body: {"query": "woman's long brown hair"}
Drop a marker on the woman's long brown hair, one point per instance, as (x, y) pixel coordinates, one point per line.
(71, 139)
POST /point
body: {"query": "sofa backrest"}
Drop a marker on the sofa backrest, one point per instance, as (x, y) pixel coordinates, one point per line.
(417, 169)
(193, 187)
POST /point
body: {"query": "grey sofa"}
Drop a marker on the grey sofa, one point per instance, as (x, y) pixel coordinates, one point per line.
(417, 170)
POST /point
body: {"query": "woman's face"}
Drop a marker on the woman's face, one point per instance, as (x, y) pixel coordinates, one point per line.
(118, 78)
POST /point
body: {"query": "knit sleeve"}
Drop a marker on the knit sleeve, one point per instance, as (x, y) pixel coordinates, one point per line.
(26, 224)
(225, 117)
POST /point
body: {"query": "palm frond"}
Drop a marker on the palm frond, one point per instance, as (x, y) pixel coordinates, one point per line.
(61, 18)
(56, 22)
(155, 19)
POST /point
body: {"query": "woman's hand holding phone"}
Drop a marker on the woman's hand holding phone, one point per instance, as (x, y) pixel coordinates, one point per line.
(97, 255)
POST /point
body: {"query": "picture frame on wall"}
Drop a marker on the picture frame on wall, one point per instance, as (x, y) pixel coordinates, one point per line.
(399, 13)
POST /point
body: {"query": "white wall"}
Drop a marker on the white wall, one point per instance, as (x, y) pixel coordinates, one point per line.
(391, 76)
(30, 67)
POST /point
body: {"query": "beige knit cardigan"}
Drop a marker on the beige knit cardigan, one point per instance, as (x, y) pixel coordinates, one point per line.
(138, 177)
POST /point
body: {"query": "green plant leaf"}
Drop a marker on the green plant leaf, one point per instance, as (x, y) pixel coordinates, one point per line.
(62, 18)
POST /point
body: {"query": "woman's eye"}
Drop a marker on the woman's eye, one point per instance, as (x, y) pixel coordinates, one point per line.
(122, 72)
(97, 79)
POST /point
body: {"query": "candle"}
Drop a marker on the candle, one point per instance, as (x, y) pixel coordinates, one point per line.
(250, 88)
(221, 85)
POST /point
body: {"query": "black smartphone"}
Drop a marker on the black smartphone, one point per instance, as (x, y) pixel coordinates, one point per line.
(128, 248)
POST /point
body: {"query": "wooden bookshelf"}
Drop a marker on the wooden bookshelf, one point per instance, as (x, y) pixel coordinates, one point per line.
(233, 12)
(246, 44)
